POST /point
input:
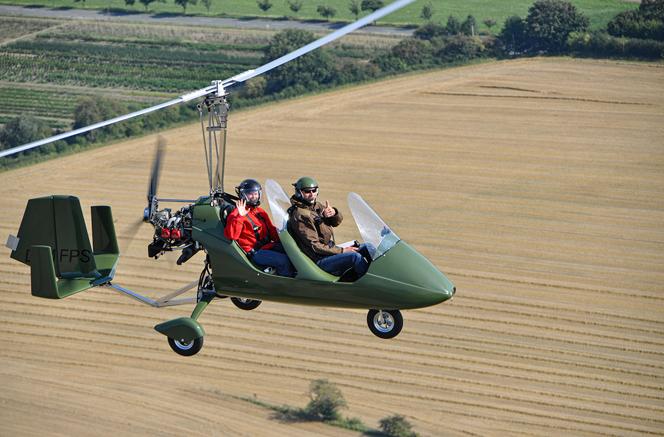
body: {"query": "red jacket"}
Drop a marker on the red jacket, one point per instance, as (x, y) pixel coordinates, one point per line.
(240, 229)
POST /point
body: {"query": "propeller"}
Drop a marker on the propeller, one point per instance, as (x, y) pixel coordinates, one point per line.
(132, 231)
(134, 227)
(154, 180)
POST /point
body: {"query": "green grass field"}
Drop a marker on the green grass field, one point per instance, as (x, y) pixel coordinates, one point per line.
(599, 11)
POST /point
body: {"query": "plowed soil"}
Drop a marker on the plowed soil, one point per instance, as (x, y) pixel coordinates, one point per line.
(536, 185)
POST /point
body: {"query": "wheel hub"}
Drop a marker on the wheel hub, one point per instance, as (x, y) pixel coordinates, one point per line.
(383, 321)
(184, 345)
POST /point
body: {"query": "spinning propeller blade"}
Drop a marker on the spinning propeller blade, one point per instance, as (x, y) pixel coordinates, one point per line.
(221, 87)
(132, 231)
(154, 179)
(156, 168)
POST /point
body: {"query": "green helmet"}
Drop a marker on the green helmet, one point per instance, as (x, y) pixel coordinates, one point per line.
(304, 183)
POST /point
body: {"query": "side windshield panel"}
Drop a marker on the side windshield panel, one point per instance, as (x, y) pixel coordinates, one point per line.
(374, 231)
(279, 203)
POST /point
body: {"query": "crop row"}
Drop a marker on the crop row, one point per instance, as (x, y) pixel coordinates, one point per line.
(55, 107)
(127, 73)
(161, 43)
(160, 33)
(127, 52)
(11, 27)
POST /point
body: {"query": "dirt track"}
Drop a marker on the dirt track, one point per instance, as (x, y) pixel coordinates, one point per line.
(536, 185)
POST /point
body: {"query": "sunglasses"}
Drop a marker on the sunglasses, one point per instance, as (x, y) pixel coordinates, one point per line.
(310, 190)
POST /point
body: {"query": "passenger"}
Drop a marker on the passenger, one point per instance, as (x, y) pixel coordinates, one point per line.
(251, 227)
(310, 223)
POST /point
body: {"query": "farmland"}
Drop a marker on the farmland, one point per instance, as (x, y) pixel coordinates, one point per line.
(535, 184)
(46, 65)
(599, 11)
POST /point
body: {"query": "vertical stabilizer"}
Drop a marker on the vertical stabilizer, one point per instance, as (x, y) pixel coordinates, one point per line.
(57, 222)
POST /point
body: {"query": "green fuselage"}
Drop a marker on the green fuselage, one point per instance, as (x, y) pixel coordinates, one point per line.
(400, 279)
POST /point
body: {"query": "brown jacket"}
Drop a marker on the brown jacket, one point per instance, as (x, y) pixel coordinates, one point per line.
(311, 230)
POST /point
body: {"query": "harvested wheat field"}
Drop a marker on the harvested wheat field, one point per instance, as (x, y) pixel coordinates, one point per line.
(536, 185)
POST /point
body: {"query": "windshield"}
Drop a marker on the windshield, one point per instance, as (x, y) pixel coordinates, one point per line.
(279, 203)
(373, 229)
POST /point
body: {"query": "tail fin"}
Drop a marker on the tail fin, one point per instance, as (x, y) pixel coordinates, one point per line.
(53, 240)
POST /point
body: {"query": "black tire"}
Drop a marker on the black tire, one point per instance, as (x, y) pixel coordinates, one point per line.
(389, 327)
(186, 349)
(245, 304)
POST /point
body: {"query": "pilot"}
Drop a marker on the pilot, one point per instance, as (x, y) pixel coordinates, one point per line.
(310, 223)
(251, 227)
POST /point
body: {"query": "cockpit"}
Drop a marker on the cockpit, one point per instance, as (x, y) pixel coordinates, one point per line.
(372, 228)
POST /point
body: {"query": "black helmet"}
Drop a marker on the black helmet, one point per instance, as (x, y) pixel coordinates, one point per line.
(249, 186)
(304, 183)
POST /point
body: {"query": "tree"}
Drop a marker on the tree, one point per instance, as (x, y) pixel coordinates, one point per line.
(453, 26)
(21, 130)
(184, 4)
(326, 400)
(90, 110)
(254, 88)
(207, 4)
(295, 5)
(513, 35)
(652, 9)
(430, 31)
(427, 12)
(354, 7)
(412, 51)
(77, 1)
(396, 426)
(371, 5)
(326, 12)
(549, 23)
(146, 3)
(460, 48)
(264, 5)
(306, 72)
(130, 2)
(647, 22)
(469, 25)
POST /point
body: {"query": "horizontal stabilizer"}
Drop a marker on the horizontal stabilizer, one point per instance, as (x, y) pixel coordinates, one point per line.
(45, 283)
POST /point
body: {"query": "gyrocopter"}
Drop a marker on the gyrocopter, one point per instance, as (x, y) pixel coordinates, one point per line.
(53, 239)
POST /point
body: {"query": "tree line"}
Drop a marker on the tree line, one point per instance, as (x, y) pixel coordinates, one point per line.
(356, 7)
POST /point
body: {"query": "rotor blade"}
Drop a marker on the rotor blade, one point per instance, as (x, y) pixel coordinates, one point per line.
(218, 86)
(156, 169)
(242, 77)
(183, 98)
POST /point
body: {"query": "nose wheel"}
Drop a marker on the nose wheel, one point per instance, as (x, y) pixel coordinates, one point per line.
(245, 304)
(385, 323)
(186, 348)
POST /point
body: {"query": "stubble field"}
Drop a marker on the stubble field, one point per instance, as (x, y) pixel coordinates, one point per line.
(536, 185)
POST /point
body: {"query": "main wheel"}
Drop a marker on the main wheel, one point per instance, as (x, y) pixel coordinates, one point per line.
(245, 304)
(186, 348)
(385, 324)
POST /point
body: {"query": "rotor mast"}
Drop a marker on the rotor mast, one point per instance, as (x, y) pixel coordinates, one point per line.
(213, 113)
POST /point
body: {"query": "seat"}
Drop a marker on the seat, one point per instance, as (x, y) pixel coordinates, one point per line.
(306, 268)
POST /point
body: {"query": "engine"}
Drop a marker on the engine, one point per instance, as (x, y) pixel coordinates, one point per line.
(172, 231)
